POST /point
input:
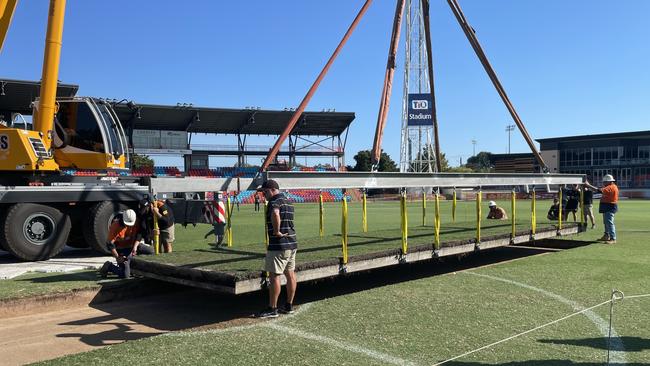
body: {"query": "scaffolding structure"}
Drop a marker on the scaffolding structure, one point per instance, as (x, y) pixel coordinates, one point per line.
(417, 142)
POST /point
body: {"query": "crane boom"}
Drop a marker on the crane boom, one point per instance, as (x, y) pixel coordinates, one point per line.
(44, 122)
(7, 8)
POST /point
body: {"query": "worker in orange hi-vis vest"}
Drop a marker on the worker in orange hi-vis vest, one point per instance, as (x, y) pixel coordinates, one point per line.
(608, 207)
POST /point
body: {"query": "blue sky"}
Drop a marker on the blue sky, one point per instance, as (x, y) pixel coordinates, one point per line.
(570, 67)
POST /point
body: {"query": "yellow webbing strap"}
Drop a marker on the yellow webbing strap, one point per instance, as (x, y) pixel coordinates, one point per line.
(513, 208)
(229, 206)
(344, 229)
(321, 216)
(559, 222)
(266, 230)
(582, 206)
(404, 223)
(156, 237)
(478, 215)
(436, 223)
(453, 206)
(533, 214)
(424, 207)
(364, 213)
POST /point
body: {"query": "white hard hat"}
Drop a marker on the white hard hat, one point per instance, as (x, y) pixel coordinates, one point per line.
(492, 204)
(608, 178)
(129, 217)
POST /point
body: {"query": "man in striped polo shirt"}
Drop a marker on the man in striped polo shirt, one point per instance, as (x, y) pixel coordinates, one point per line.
(281, 252)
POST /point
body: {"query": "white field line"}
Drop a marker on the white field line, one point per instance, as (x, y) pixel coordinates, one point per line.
(618, 353)
(276, 325)
(380, 356)
(302, 308)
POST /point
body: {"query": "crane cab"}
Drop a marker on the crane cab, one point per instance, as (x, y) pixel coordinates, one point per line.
(88, 135)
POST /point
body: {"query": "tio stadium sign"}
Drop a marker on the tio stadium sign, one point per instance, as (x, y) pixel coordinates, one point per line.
(419, 110)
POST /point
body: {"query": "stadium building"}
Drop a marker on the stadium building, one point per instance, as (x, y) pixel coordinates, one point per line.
(625, 155)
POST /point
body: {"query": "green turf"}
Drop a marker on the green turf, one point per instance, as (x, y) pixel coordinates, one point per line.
(35, 284)
(425, 321)
(384, 233)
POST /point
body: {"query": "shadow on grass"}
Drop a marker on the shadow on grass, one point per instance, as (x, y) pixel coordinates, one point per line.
(64, 277)
(552, 243)
(632, 344)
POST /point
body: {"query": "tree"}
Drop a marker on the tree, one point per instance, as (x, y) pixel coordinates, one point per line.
(481, 162)
(364, 164)
(459, 169)
(429, 150)
(141, 161)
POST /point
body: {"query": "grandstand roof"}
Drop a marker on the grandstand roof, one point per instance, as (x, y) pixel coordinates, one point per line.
(16, 96)
(231, 121)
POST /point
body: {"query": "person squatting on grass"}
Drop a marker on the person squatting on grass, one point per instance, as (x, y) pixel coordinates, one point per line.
(124, 241)
(281, 252)
(165, 223)
(554, 212)
(608, 207)
(496, 212)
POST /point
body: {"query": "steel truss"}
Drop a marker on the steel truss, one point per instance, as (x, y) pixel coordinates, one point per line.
(366, 180)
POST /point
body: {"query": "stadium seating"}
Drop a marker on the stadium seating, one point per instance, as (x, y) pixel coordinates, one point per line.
(297, 196)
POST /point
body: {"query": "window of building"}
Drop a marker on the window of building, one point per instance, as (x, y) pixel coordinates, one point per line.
(642, 177)
(606, 155)
(575, 157)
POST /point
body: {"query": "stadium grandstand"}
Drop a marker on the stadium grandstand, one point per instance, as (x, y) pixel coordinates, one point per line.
(168, 130)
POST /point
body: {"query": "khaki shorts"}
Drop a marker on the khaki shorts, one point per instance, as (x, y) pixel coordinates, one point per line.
(279, 261)
(167, 235)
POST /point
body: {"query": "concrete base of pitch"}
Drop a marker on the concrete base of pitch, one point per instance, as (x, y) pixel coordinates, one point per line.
(226, 283)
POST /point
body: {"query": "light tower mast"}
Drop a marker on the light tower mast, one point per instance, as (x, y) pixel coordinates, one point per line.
(417, 142)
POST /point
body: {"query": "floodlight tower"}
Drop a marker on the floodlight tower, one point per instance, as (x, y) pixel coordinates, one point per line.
(417, 151)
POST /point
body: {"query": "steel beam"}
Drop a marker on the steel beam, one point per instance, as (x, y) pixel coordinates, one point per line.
(369, 180)
(198, 184)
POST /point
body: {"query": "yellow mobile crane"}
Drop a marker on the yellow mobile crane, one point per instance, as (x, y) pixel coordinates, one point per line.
(37, 203)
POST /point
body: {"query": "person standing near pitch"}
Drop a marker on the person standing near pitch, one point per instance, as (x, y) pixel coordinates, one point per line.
(281, 252)
(608, 207)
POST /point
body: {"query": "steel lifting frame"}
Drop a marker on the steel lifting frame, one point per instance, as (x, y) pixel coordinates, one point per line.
(365, 180)
(388, 82)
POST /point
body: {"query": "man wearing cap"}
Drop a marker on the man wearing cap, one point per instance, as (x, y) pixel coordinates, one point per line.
(166, 222)
(124, 241)
(281, 252)
(608, 207)
(496, 212)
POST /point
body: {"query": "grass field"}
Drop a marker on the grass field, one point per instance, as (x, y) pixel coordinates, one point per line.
(383, 233)
(428, 320)
(35, 284)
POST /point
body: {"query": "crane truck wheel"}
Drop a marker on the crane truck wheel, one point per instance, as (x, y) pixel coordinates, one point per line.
(95, 228)
(3, 215)
(34, 232)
